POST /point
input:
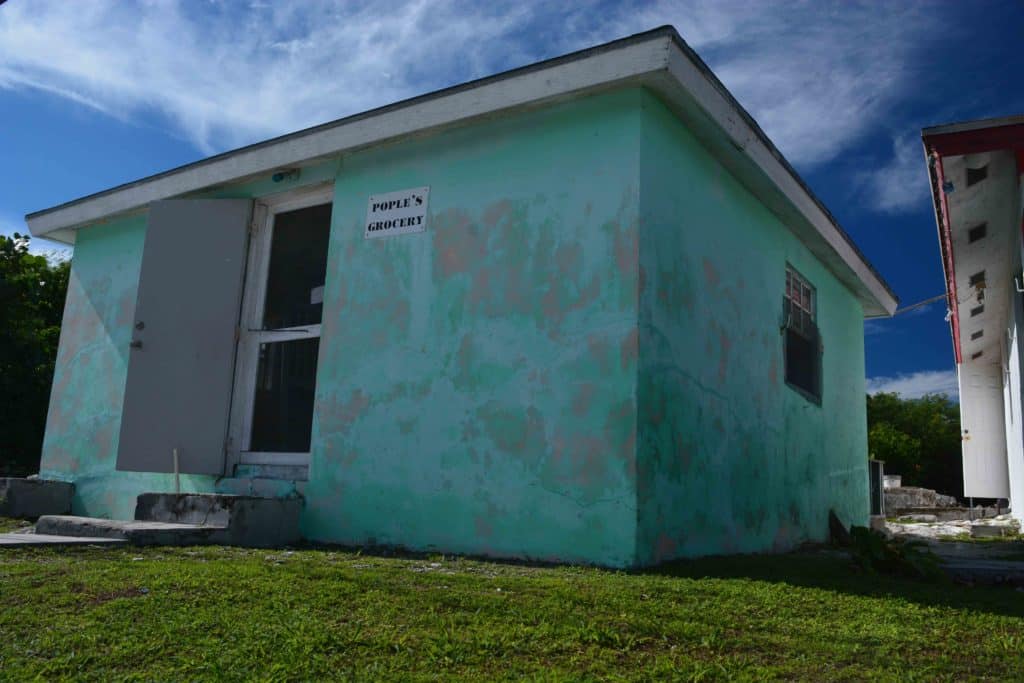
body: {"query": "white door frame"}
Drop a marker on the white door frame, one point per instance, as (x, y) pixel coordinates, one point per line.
(249, 333)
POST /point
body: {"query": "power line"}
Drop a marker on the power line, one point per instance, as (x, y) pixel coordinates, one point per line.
(911, 307)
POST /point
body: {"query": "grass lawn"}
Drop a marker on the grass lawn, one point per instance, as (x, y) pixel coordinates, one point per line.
(228, 613)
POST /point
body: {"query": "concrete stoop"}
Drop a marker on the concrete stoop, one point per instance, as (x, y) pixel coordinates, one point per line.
(30, 498)
(251, 521)
(135, 532)
(191, 519)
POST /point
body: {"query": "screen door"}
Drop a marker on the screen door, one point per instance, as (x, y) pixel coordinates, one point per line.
(279, 331)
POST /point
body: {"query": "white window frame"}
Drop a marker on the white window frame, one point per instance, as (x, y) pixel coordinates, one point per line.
(810, 307)
(248, 335)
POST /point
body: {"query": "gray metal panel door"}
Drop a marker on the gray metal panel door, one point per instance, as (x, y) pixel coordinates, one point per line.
(178, 391)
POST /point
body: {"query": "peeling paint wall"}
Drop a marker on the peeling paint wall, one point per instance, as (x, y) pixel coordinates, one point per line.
(579, 359)
(476, 381)
(731, 459)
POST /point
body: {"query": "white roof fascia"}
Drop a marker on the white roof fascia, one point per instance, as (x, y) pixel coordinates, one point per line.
(976, 124)
(420, 115)
(747, 139)
(658, 59)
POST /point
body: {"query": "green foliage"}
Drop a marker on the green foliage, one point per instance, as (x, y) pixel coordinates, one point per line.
(233, 614)
(32, 290)
(918, 439)
(875, 552)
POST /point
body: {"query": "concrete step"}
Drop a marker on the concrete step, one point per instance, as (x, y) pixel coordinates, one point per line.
(250, 521)
(30, 498)
(22, 540)
(130, 531)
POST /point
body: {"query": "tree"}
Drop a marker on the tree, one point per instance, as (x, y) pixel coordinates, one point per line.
(32, 291)
(919, 439)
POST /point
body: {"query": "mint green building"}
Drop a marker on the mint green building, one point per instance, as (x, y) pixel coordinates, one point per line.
(580, 311)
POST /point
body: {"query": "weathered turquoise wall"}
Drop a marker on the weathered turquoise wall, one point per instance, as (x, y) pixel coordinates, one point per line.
(476, 381)
(84, 420)
(579, 359)
(730, 458)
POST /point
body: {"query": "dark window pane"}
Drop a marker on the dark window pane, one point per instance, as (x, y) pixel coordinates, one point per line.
(298, 267)
(283, 412)
(976, 175)
(802, 362)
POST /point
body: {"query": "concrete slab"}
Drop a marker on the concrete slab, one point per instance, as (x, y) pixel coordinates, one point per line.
(32, 540)
(34, 497)
(132, 531)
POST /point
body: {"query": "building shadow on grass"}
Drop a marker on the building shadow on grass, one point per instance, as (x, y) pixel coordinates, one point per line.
(832, 570)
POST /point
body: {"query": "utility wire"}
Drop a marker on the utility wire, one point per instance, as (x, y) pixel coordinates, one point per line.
(911, 307)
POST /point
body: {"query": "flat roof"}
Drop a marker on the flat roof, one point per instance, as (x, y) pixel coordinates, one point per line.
(658, 60)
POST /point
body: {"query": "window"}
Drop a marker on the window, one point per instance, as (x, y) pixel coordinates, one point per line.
(977, 232)
(976, 175)
(978, 279)
(802, 343)
(977, 310)
(978, 335)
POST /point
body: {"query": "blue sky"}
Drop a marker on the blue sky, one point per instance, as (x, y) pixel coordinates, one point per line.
(97, 93)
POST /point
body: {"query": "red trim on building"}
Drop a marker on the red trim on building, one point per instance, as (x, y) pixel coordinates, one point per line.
(947, 248)
(975, 141)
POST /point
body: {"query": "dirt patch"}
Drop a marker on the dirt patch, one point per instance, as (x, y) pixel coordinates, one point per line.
(102, 598)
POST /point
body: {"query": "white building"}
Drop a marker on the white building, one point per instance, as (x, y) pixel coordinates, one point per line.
(975, 170)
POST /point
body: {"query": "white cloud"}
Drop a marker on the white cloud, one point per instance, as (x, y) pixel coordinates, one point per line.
(917, 384)
(815, 75)
(901, 185)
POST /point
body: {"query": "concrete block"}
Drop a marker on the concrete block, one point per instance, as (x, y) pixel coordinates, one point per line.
(990, 530)
(34, 497)
(249, 521)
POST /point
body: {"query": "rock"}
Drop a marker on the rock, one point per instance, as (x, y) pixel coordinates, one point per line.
(990, 530)
(918, 518)
(914, 497)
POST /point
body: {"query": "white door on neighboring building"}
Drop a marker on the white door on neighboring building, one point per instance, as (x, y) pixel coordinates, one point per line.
(984, 430)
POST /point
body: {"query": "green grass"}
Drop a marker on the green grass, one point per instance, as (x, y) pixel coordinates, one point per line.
(234, 614)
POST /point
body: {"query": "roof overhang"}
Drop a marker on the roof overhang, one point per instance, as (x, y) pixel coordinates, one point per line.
(658, 60)
(947, 145)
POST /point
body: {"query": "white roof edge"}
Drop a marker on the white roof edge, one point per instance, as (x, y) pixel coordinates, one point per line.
(536, 84)
(974, 124)
(643, 59)
(695, 77)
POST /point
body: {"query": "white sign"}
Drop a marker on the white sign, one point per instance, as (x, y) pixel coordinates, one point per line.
(397, 213)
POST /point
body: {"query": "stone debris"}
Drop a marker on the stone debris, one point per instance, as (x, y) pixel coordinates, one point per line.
(902, 497)
(908, 528)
